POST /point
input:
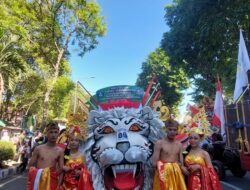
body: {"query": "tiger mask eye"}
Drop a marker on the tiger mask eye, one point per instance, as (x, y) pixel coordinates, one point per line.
(107, 130)
(134, 127)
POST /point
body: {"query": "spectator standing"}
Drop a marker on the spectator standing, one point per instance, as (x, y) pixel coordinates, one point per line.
(24, 152)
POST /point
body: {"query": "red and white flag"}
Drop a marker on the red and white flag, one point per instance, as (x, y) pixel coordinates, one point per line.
(193, 109)
(218, 117)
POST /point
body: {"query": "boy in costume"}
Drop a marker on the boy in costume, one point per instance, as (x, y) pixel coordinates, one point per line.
(46, 163)
(167, 158)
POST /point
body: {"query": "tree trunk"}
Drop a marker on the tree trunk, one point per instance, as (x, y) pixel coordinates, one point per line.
(1, 88)
(55, 77)
(7, 106)
(49, 90)
(45, 108)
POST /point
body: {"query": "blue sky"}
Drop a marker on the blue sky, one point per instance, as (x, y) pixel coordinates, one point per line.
(135, 28)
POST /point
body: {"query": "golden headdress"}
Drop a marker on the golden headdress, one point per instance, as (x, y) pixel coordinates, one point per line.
(197, 131)
(77, 126)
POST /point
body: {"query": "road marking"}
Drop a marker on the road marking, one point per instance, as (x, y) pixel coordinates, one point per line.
(229, 185)
(13, 179)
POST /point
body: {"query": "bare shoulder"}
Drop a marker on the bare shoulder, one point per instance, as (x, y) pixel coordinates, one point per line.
(42, 146)
(36, 151)
(59, 150)
(159, 143)
(81, 156)
(178, 144)
(39, 148)
(205, 153)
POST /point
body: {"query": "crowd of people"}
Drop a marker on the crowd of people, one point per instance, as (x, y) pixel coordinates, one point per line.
(58, 168)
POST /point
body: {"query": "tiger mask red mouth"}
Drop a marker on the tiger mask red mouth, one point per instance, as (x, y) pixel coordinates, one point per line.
(124, 177)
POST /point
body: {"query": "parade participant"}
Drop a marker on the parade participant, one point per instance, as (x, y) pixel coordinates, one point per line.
(24, 152)
(167, 158)
(34, 140)
(76, 175)
(22, 135)
(201, 176)
(48, 159)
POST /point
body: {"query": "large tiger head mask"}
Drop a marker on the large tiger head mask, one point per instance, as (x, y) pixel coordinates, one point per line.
(119, 147)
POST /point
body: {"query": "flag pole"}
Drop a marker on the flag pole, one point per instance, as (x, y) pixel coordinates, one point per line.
(226, 126)
(145, 97)
(244, 119)
(218, 78)
(242, 94)
(155, 89)
(75, 98)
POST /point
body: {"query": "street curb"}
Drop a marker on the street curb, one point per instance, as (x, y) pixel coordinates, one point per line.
(8, 172)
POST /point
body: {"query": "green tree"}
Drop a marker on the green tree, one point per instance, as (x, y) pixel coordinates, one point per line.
(48, 28)
(172, 80)
(61, 96)
(203, 40)
(28, 94)
(11, 63)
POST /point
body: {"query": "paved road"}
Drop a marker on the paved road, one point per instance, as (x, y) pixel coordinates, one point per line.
(234, 183)
(18, 182)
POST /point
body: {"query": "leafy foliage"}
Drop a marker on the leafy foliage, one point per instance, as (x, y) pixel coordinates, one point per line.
(172, 80)
(7, 150)
(46, 29)
(203, 40)
(61, 97)
(11, 63)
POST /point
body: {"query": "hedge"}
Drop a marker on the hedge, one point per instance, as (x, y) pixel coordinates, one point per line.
(7, 150)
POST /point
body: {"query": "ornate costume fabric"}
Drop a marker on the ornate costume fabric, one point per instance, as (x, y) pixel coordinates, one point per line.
(71, 182)
(42, 179)
(168, 177)
(204, 179)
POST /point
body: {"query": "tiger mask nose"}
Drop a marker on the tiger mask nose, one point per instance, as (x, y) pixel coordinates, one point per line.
(122, 140)
(123, 146)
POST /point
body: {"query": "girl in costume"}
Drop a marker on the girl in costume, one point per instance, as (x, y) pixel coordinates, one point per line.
(76, 176)
(201, 175)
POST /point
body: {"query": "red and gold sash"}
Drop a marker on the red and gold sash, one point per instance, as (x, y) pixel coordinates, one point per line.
(168, 176)
(42, 179)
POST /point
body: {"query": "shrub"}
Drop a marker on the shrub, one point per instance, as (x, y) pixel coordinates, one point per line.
(7, 150)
